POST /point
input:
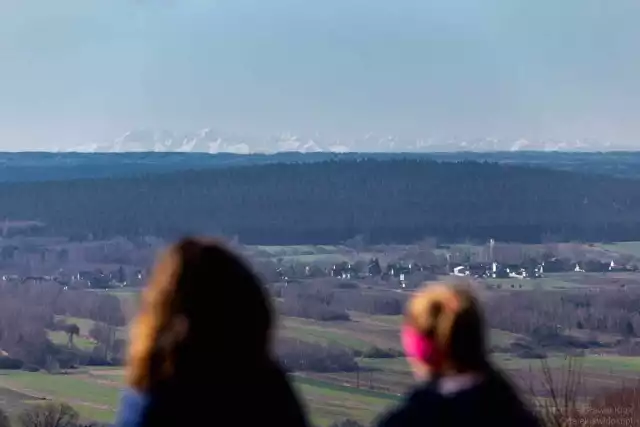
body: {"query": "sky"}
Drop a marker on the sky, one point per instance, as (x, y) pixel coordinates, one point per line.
(75, 71)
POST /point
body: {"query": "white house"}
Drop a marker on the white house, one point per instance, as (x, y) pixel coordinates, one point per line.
(461, 271)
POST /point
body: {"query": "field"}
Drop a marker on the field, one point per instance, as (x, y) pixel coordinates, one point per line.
(379, 383)
(95, 393)
(630, 248)
(361, 396)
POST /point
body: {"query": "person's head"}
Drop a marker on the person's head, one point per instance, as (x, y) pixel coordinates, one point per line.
(188, 315)
(444, 332)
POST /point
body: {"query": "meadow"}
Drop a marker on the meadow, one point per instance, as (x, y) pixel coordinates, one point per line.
(329, 396)
(94, 393)
(378, 384)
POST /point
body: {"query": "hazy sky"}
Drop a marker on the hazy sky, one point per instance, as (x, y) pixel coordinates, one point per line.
(74, 71)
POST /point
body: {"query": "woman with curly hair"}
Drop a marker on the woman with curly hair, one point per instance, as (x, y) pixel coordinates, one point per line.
(200, 347)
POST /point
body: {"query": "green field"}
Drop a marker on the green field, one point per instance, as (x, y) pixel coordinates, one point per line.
(92, 398)
(85, 326)
(329, 402)
(61, 338)
(329, 396)
(361, 333)
(629, 248)
(95, 394)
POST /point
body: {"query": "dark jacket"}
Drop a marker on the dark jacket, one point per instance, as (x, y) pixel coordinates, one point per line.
(262, 399)
(492, 403)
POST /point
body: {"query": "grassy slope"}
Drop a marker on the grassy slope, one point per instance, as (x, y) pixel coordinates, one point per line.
(95, 395)
(95, 392)
(93, 399)
(61, 338)
(327, 396)
(328, 402)
(630, 248)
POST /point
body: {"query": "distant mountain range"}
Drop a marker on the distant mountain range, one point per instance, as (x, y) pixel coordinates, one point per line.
(211, 141)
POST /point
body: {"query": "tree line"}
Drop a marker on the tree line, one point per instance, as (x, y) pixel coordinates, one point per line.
(399, 200)
(28, 311)
(550, 319)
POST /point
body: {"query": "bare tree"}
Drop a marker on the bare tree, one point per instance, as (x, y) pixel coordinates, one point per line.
(71, 330)
(105, 335)
(51, 414)
(558, 399)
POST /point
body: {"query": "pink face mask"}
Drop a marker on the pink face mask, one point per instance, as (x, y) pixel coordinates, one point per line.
(417, 346)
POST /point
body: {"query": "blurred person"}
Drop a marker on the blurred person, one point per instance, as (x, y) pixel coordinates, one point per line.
(200, 347)
(444, 339)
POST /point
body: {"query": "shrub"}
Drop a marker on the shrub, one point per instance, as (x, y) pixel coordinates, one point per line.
(347, 285)
(529, 353)
(526, 350)
(370, 303)
(316, 305)
(51, 414)
(296, 355)
(10, 363)
(68, 359)
(375, 352)
(4, 419)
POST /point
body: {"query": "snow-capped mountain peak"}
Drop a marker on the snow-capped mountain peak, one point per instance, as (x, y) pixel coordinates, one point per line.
(208, 140)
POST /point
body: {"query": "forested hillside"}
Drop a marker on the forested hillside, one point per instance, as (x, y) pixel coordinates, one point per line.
(21, 167)
(327, 202)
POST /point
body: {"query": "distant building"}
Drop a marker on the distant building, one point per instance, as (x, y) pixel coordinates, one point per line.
(461, 271)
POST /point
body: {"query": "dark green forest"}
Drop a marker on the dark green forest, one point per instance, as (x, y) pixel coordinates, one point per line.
(33, 166)
(328, 202)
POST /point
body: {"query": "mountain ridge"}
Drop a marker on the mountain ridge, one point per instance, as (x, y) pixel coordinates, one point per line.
(211, 141)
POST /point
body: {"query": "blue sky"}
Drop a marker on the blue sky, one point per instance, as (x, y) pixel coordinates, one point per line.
(74, 71)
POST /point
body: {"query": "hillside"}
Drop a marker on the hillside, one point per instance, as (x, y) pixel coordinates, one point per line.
(327, 202)
(22, 167)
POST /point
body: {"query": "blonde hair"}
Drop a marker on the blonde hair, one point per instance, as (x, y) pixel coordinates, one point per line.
(451, 316)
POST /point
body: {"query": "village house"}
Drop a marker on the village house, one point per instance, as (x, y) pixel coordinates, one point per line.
(498, 271)
(343, 270)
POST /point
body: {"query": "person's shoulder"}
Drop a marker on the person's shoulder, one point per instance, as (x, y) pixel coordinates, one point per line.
(410, 410)
(133, 405)
(288, 406)
(509, 403)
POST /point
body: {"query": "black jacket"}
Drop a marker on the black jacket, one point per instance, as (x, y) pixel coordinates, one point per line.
(228, 398)
(492, 403)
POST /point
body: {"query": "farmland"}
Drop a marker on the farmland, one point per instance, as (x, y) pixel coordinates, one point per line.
(367, 327)
(94, 393)
(329, 396)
